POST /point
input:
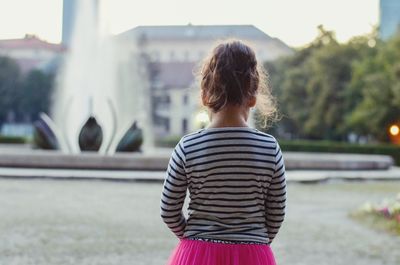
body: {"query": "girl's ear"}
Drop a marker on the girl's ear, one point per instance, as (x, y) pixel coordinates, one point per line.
(252, 102)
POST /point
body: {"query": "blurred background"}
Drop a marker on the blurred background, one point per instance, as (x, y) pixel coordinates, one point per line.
(94, 94)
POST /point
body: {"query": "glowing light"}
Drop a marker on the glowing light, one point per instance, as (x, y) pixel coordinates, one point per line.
(394, 130)
(371, 43)
(202, 118)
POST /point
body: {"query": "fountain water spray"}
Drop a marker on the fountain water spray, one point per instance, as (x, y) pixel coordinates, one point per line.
(100, 79)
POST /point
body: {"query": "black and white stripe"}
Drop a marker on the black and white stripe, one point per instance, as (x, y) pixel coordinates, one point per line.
(236, 182)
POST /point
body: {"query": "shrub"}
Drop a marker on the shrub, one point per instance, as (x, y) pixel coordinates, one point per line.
(169, 141)
(12, 139)
(318, 146)
(385, 215)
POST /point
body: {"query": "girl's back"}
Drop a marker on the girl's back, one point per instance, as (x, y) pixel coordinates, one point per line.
(229, 171)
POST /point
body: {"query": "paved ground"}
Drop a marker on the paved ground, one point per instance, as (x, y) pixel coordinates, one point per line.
(102, 222)
(292, 175)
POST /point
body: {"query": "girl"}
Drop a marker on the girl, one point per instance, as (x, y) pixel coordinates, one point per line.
(235, 174)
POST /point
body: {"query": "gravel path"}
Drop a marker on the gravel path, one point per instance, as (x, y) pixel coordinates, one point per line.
(100, 222)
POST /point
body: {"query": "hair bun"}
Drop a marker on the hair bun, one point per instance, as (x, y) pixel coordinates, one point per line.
(231, 75)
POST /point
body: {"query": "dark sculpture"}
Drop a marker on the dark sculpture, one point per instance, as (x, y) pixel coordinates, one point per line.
(43, 135)
(48, 136)
(132, 140)
(91, 135)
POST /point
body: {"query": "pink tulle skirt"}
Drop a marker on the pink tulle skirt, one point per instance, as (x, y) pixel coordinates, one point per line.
(197, 252)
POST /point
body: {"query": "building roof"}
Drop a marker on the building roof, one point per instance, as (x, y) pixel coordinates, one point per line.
(197, 32)
(30, 42)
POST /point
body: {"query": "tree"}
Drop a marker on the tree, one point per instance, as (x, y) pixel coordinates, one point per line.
(9, 84)
(377, 78)
(34, 95)
(331, 72)
(25, 95)
(313, 86)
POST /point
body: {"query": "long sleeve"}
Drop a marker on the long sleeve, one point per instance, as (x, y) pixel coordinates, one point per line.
(276, 196)
(174, 192)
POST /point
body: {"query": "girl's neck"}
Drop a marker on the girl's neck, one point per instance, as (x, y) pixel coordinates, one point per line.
(229, 116)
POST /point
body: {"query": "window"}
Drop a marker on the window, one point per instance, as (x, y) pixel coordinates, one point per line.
(166, 99)
(185, 99)
(184, 125)
(167, 124)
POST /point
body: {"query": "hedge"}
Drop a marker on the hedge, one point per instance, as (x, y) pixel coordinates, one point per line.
(12, 139)
(320, 146)
(170, 141)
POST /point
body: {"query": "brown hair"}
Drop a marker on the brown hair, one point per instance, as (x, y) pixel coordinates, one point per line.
(231, 75)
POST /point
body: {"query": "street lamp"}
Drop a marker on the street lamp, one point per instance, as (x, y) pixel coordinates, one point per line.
(394, 130)
(394, 133)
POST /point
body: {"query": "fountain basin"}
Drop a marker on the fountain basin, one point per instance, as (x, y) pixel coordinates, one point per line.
(86, 160)
(157, 160)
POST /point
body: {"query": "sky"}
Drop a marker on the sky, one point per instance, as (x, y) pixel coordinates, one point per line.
(293, 21)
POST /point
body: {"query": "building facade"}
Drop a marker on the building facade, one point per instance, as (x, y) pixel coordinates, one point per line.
(32, 53)
(389, 18)
(175, 54)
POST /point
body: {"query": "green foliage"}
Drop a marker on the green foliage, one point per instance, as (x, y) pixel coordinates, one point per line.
(382, 216)
(377, 78)
(377, 222)
(34, 94)
(328, 90)
(24, 94)
(12, 139)
(9, 84)
(170, 141)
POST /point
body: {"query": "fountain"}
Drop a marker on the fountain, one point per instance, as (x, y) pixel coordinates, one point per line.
(100, 109)
(93, 102)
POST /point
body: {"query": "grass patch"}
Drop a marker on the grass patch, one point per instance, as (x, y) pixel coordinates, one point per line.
(382, 216)
(377, 221)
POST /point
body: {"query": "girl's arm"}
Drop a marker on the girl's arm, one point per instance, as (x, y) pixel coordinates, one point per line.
(276, 196)
(174, 192)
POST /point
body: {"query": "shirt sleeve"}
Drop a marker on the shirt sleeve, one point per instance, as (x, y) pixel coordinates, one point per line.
(174, 192)
(276, 196)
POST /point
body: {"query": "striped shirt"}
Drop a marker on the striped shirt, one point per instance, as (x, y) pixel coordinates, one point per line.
(236, 182)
